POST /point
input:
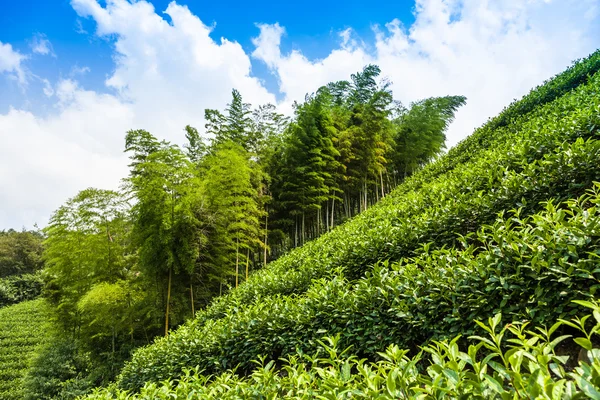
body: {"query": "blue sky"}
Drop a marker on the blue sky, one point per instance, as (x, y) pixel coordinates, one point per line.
(312, 26)
(75, 75)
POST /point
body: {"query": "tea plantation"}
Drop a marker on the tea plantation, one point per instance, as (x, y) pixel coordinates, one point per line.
(24, 328)
(475, 278)
(506, 223)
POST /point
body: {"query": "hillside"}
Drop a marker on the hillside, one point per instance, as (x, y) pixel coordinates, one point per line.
(542, 148)
(24, 328)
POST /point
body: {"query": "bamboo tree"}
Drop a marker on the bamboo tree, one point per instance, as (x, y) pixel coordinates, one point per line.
(165, 225)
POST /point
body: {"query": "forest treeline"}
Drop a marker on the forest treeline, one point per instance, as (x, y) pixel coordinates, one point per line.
(191, 222)
(20, 265)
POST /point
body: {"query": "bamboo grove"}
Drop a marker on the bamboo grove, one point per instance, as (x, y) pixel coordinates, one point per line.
(191, 222)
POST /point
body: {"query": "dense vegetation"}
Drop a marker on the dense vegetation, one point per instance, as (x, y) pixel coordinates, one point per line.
(24, 328)
(20, 266)
(507, 361)
(550, 153)
(191, 223)
(365, 246)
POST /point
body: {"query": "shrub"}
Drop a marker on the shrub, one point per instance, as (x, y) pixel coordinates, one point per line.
(506, 362)
(56, 372)
(18, 288)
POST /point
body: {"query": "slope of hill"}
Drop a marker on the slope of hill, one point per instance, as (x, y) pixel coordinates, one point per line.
(24, 327)
(547, 150)
(469, 236)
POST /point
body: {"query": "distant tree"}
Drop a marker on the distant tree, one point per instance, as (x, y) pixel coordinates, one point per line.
(20, 252)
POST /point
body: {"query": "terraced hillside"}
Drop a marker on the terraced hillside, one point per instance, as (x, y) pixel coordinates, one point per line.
(24, 327)
(505, 222)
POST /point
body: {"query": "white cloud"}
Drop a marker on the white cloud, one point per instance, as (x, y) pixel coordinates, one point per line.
(77, 70)
(47, 89)
(167, 73)
(171, 72)
(10, 62)
(489, 51)
(47, 160)
(41, 45)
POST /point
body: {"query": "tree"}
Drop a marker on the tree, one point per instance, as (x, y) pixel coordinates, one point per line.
(20, 252)
(234, 125)
(87, 240)
(304, 176)
(195, 147)
(165, 226)
(232, 198)
(420, 132)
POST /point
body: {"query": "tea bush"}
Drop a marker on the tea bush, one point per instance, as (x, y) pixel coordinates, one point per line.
(529, 268)
(512, 361)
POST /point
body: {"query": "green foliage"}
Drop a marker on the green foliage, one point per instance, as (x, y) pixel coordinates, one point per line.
(20, 252)
(24, 328)
(165, 220)
(511, 361)
(18, 288)
(232, 198)
(235, 125)
(528, 268)
(195, 147)
(57, 372)
(420, 132)
(540, 157)
(86, 244)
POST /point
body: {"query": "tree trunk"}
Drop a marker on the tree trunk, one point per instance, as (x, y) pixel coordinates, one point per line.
(247, 261)
(266, 237)
(332, 212)
(296, 231)
(303, 232)
(327, 216)
(168, 303)
(237, 261)
(192, 299)
(112, 366)
(318, 222)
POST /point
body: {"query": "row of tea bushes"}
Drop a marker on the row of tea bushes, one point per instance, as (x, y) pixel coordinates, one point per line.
(438, 209)
(525, 267)
(24, 327)
(513, 361)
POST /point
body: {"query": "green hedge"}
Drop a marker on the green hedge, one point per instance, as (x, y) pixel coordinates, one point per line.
(24, 327)
(506, 362)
